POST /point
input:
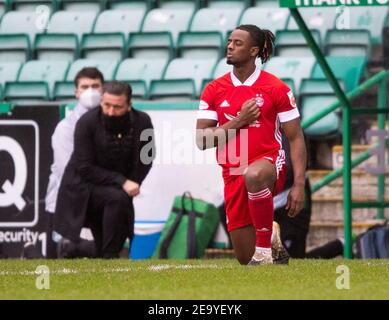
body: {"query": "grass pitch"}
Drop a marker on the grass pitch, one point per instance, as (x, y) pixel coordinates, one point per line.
(195, 279)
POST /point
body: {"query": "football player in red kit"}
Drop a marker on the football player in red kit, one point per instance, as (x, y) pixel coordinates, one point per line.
(241, 113)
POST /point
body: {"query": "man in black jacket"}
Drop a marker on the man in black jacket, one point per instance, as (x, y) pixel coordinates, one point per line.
(113, 152)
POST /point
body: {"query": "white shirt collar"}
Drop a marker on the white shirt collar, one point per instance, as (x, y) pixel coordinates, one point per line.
(249, 81)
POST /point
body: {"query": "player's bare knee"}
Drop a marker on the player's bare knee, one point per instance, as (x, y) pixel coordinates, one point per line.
(255, 175)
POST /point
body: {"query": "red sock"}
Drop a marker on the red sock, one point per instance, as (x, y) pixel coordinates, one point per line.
(262, 213)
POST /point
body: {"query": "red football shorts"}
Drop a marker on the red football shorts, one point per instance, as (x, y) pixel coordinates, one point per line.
(237, 202)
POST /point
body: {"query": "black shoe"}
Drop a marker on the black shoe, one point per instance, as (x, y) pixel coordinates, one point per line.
(65, 249)
(30, 251)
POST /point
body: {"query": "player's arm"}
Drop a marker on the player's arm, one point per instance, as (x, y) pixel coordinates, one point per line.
(298, 155)
(62, 144)
(209, 135)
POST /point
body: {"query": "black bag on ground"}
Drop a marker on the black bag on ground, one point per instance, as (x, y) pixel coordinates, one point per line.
(374, 243)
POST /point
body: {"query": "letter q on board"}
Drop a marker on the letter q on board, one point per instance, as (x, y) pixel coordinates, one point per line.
(12, 192)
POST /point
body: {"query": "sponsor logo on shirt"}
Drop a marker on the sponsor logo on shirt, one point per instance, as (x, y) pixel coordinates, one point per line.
(230, 117)
(292, 99)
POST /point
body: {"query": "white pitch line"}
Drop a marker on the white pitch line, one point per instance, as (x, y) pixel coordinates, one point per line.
(156, 267)
(161, 267)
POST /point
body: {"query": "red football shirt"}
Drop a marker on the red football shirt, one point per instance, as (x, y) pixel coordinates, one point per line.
(222, 100)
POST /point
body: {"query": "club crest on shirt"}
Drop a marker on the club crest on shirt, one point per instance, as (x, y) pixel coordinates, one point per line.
(292, 99)
(259, 100)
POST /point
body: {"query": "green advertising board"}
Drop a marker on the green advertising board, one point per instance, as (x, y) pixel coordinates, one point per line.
(331, 3)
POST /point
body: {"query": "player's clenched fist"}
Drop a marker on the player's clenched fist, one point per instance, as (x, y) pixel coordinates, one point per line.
(131, 188)
(249, 112)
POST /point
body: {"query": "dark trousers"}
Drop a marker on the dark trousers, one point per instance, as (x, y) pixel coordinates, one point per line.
(110, 217)
(81, 249)
(294, 231)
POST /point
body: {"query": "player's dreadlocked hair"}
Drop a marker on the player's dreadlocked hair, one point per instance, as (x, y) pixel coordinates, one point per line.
(262, 38)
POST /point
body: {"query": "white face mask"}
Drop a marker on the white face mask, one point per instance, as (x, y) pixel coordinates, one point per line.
(90, 98)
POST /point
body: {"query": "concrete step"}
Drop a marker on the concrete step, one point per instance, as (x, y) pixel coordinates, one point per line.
(364, 184)
(321, 232)
(329, 208)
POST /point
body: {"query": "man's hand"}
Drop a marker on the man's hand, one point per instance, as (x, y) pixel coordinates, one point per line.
(295, 200)
(249, 112)
(131, 188)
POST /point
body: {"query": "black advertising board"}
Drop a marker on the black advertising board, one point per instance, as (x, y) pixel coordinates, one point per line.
(25, 160)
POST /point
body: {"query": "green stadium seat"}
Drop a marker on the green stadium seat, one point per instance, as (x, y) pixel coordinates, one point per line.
(107, 67)
(31, 91)
(205, 83)
(4, 7)
(123, 21)
(199, 45)
(9, 71)
(221, 69)
(321, 19)
(14, 47)
(179, 4)
(152, 45)
(31, 5)
(266, 3)
(140, 72)
(188, 73)
(293, 68)
(326, 127)
(271, 18)
(1, 93)
(64, 90)
(348, 43)
(318, 87)
(110, 34)
(128, 4)
(291, 43)
(236, 4)
(48, 71)
(290, 83)
(168, 20)
(173, 89)
(139, 89)
(316, 95)
(215, 19)
(36, 80)
(349, 69)
(52, 47)
(62, 41)
(83, 5)
(102, 46)
(26, 23)
(65, 22)
(369, 18)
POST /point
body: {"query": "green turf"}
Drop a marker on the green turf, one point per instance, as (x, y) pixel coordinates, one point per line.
(193, 279)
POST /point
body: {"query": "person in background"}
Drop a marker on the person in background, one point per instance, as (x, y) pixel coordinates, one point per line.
(113, 153)
(88, 89)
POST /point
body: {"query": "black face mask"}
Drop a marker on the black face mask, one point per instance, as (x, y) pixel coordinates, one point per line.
(117, 124)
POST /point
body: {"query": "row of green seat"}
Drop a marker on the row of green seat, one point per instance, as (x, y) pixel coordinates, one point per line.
(22, 34)
(100, 5)
(152, 78)
(196, 45)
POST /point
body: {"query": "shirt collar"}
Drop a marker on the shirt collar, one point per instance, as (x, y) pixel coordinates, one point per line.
(249, 81)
